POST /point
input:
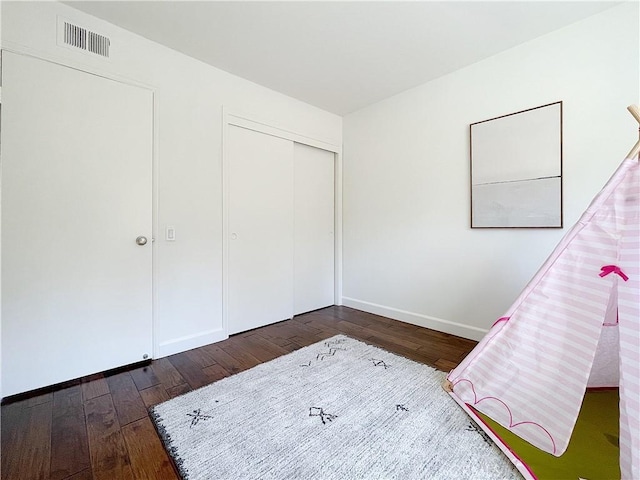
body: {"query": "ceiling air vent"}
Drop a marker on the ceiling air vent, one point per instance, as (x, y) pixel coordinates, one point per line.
(77, 37)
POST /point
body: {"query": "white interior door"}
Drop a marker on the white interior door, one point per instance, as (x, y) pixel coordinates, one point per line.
(76, 193)
(260, 268)
(314, 228)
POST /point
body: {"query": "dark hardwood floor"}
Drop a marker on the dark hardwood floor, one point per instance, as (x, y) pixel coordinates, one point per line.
(99, 428)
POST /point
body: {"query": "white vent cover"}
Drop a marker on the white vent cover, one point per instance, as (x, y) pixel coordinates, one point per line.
(77, 37)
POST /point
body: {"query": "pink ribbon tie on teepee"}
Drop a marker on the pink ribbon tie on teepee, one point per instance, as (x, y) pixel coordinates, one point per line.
(607, 269)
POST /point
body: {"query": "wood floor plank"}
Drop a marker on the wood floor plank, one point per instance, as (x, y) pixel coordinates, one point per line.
(178, 390)
(355, 316)
(69, 441)
(298, 328)
(201, 357)
(225, 360)
(84, 475)
(144, 377)
(109, 457)
(153, 395)
(309, 329)
(215, 372)
(373, 323)
(39, 399)
(305, 342)
(189, 370)
(445, 365)
(126, 399)
(353, 330)
(262, 349)
(234, 347)
(410, 353)
(31, 459)
(274, 329)
(94, 386)
(167, 373)
(324, 328)
(38, 452)
(69, 397)
(14, 426)
(284, 332)
(382, 331)
(438, 348)
(286, 345)
(148, 457)
(298, 319)
(308, 333)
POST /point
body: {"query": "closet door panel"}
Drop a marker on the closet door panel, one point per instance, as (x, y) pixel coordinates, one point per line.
(260, 274)
(313, 228)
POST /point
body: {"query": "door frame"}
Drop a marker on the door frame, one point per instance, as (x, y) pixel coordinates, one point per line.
(84, 68)
(251, 122)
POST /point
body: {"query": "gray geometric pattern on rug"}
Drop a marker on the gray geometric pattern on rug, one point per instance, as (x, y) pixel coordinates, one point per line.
(337, 409)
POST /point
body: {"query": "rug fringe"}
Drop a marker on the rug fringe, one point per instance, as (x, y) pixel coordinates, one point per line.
(168, 444)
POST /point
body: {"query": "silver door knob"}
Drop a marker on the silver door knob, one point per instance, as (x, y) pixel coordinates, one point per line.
(141, 240)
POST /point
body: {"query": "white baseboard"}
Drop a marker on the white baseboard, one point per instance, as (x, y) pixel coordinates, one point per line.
(188, 342)
(446, 326)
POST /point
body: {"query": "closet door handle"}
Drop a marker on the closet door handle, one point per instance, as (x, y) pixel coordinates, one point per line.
(234, 236)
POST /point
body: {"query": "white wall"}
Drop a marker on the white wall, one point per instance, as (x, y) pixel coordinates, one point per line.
(408, 250)
(189, 97)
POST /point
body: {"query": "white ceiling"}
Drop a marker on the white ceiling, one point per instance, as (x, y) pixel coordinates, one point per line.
(340, 56)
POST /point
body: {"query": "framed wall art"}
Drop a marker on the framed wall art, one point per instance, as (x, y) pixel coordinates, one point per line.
(516, 169)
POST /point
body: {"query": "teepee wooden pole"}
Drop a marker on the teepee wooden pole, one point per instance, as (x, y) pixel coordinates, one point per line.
(635, 111)
(634, 151)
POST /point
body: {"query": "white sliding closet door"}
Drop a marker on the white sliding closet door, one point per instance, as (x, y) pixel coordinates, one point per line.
(76, 193)
(260, 268)
(314, 228)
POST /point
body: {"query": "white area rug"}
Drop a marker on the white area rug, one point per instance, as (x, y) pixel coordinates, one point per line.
(338, 409)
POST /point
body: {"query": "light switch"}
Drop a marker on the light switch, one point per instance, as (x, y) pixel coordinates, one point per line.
(171, 234)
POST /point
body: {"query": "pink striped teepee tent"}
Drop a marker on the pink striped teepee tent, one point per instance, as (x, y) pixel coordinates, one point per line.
(575, 325)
